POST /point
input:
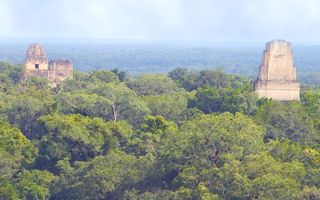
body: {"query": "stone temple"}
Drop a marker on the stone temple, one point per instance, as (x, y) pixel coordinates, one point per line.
(277, 74)
(37, 65)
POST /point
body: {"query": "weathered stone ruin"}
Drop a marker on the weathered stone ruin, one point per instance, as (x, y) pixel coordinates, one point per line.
(37, 65)
(277, 75)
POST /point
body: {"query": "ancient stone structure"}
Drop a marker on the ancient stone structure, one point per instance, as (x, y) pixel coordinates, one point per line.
(277, 75)
(37, 65)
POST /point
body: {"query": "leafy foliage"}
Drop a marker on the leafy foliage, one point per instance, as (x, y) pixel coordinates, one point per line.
(153, 84)
(15, 150)
(74, 137)
(210, 100)
(287, 120)
(34, 184)
(189, 135)
(105, 180)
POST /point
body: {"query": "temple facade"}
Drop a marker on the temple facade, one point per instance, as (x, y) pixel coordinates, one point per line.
(37, 65)
(277, 73)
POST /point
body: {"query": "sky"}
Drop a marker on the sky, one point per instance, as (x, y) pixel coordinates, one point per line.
(183, 20)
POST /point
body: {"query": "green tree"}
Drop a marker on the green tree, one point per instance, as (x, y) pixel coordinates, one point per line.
(74, 137)
(15, 150)
(33, 184)
(170, 106)
(146, 139)
(287, 120)
(136, 195)
(192, 80)
(272, 179)
(91, 105)
(23, 111)
(26, 103)
(153, 84)
(103, 76)
(86, 80)
(285, 150)
(209, 100)
(156, 124)
(309, 193)
(7, 190)
(105, 177)
(9, 75)
(311, 102)
(202, 144)
(122, 75)
(124, 102)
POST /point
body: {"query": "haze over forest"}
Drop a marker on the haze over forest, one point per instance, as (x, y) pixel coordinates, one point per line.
(142, 36)
(159, 99)
(150, 58)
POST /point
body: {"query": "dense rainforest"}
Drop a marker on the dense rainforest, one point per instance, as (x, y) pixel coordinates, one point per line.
(187, 134)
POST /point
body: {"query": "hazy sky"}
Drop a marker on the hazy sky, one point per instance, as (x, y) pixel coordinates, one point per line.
(206, 20)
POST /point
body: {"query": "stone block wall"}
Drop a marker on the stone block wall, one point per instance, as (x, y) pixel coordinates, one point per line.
(37, 65)
(277, 73)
